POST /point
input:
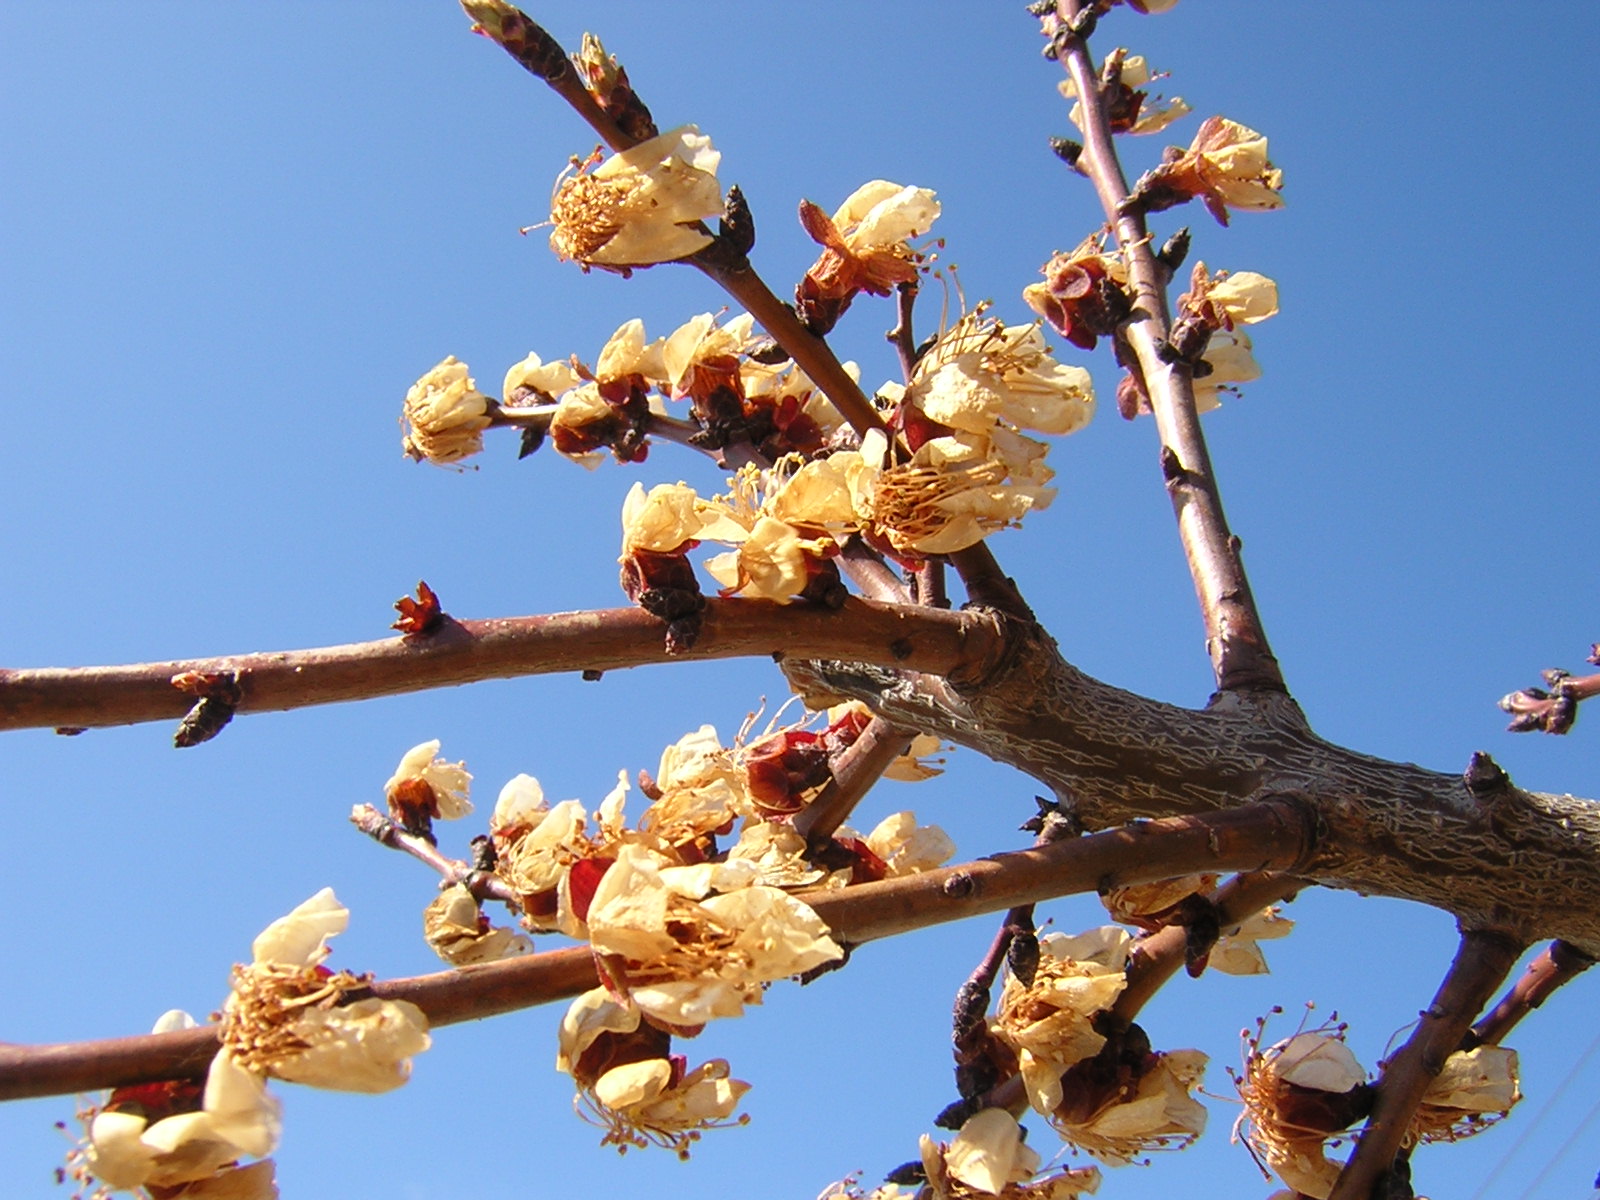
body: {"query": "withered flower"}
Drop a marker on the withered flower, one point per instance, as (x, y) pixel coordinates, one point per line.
(1473, 1090)
(640, 207)
(1128, 108)
(1297, 1094)
(865, 248)
(1226, 167)
(630, 1084)
(424, 787)
(459, 932)
(988, 1157)
(285, 1018)
(444, 415)
(685, 956)
(1085, 293)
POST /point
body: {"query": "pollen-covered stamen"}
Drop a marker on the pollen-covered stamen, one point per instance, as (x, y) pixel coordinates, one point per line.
(268, 1002)
(587, 212)
(910, 499)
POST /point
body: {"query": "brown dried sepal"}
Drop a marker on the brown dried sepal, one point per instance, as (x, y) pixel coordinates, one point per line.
(1080, 297)
(665, 586)
(414, 805)
(219, 696)
(421, 616)
(784, 771)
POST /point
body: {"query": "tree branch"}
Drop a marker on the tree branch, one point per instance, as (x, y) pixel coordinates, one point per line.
(1556, 964)
(903, 636)
(855, 771)
(1235, 639)
(1481, 963)
(1271, 835)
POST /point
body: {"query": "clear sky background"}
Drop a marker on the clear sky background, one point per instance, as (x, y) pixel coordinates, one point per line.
(232, 235)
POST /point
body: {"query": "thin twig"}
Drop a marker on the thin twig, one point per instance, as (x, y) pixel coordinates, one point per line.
(484, 885)
(855, 771)
(1235, 639)
(1481, 965)
(1552, 711)
(1550, 968)
(905, 636)
(1268, 835)
(901, 336)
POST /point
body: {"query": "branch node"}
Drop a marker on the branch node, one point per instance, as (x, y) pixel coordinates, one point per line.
(1484, 778)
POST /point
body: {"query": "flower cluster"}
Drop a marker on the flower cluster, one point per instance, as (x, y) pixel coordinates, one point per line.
(1303, 1091)
(1095, 1077)
(988, 1157)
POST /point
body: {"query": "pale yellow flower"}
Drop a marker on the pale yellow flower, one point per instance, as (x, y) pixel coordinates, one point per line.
(907, 848)
(533, 381)
(627, 354)
(536, 845)
(866, 243)
(1296, 1094)
(1160, 1112)
(647, 1100)
(1226, 166)
(1049, 1023)
(691, 957)
(701, 788)
(444, 415)
(1146, 904)
(982, 372)
(1231, 361)
(1474, 1089)
(284, 1017)
(662, 519)
(640, 207)
(700, 349)
(772, 562)
(1236, 952)
(453, 925)
(231, 1118)
(988, 1157)
(422, 775)
(1151, 115)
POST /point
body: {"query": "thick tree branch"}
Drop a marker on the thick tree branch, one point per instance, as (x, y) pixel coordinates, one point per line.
(1272, 835)
(1235, 638)
(908, 637)
(1480, 965)
(1492, 854)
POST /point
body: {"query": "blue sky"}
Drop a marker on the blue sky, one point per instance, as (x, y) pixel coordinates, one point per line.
(231, 237)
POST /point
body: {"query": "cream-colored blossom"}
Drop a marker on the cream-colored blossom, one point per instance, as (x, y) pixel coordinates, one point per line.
(1245, 297)
(536, 845)
(627, 353)
(1049, 1022)
(689, 960)
(702, 347)
(533, 381)
(233, 1117)
(917, 764)
(1226, 166)
(988, 1157)
(702, 790)
(421, 768)
(772, 562)
(1161, 1112)
(576, 412)
(662, 519)
(646, 1101)
(454, 926)
(1153, 115)
(444, 415)
(1231, 361)
(982, 372)
(640, 207)
(1473, 1089)
(1236, 952)
(1144, 904)
(866, 243)
(779, 853)
(285, 1018)
(1296, 1094)
(907, 848)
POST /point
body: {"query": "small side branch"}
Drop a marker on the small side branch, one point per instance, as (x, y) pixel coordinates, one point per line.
(1554, 707)
(1551, 967)
(1269, 835)
(1235, 637)
(905, 636)
(855, 771)
(1481, 965)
